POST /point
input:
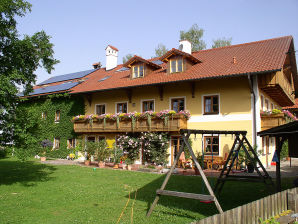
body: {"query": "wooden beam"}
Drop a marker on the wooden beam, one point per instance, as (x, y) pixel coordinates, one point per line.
(215, 132)
(186, 195)
(89, 99)
(193, 89)
(160, 91)
(129, 94)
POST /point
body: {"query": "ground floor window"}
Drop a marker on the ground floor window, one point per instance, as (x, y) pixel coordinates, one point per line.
(211, 145)
(91, 138)
(71, 143)
(56, 143)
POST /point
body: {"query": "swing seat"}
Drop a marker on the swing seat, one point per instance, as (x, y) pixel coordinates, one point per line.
(206, 202)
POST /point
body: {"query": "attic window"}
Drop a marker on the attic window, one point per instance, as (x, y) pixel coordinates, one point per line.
(176, 65)
(138, 71)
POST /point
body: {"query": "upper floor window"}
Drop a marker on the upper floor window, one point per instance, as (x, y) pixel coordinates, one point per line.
(176, 65)
(211, 144)
(211, 105)
(57, 115)
(177, 104)
(138, 71)
(44, 115)
(121, 107)
(148, 105)
(267, 104)
(100, 109)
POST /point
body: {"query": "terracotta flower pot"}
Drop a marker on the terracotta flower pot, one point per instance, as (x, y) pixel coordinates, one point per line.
(101, 164)
(87, 162)
(43, 158)
(116, 166)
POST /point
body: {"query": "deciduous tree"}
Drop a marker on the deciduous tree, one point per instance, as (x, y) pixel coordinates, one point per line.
(160, 50)
(19, 59)
(194, 35)
(126, 58)
(221, 42)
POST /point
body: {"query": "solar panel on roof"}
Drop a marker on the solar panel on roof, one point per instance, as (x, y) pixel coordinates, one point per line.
(104, 78)
(70, 76)
(50, 89)
(158, 62)
(122, 69)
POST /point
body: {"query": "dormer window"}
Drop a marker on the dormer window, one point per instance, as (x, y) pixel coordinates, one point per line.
(176, 65)
(138, 71)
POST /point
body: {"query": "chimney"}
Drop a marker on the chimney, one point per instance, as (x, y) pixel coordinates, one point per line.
(185, 45)
(96, 65)
(111, 57)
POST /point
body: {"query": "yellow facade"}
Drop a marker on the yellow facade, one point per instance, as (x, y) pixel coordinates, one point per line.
(234, 106)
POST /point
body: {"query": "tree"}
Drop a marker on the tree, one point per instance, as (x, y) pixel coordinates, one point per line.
(194, 35)
(20, 58)
(221, 42)
(160, 50)
(126, 58)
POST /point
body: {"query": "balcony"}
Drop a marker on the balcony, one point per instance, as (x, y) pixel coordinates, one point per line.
(272, 120)
(277, 86)
(171, 124)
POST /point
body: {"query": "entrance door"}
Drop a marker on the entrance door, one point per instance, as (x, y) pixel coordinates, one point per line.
(176, 141)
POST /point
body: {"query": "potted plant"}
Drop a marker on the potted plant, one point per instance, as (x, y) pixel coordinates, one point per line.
(46, 145)
(129, 162)
(118, 153)
(102, 153)
(90, 149)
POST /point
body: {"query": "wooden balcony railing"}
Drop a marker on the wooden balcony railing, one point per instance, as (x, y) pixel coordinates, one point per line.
(277, 86)
(272, 120)
(173, 124)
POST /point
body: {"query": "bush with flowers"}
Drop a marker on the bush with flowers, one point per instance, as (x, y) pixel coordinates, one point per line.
(130, 146)
(288, 115)
(155, 146)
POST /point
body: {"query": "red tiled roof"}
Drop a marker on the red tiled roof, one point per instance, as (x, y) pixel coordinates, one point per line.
(175, 51)
(114, 48)
(295, 106)
(136, 59)
(254, 57)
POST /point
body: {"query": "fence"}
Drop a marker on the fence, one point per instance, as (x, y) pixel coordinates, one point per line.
(251, 213)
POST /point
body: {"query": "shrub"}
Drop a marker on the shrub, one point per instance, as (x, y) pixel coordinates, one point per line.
(102, 150)
(3, 153)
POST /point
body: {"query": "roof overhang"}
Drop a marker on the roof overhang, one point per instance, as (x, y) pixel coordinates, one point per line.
(136, 59)
(175, 51)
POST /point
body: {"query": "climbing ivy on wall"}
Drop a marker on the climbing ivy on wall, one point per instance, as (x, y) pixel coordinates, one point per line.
(68, 105)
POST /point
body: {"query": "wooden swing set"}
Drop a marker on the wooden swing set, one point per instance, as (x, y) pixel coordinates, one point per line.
(240, 142)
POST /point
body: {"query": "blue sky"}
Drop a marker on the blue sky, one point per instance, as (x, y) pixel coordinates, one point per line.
(81, 30)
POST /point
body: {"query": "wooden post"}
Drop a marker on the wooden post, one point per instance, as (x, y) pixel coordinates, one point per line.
(167, 179)
(278, 149)
(185, 140)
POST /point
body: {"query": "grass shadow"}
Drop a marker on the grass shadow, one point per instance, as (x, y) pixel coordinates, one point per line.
(26, 173)
(234, 194)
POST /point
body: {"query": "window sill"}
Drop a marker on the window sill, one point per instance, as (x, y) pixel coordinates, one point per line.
(211, 114)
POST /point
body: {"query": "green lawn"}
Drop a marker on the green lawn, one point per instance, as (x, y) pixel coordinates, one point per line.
(31, 192)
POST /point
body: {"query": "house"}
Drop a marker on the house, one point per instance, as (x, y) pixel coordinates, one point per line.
(226, 88)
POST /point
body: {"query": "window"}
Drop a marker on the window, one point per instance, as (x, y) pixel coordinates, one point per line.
(91, 138)
(211, 105)
(44, 115)
(57, 116)
(71, 143)
(176, 65)
(100, 138)
(148, 105)
(56, 143)
(177, 104)
(267, 104)
(211, 145)
(138, 71)
(121, 107)
(100, 109)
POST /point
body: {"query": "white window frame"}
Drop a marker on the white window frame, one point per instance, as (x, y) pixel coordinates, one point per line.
(99, 105)
(176, 97)
(203, 104)
(147, 100)
(121, 102)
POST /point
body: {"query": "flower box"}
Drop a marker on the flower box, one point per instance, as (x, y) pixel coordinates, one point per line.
(272, 120)
(172, 123)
